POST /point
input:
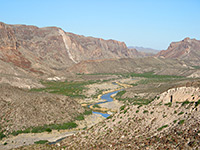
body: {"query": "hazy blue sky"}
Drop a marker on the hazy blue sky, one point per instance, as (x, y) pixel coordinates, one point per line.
(148, 23)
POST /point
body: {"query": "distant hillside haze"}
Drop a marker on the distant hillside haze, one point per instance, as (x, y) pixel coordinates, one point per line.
(144, 49)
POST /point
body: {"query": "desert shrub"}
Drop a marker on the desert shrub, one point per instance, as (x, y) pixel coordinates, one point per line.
(125, 111)
(122, 107)
(181, 122)
(109, 117)
(175, 121)
(38, 129)
(48, 129)
(197, 103)
(21, 131)
(196, 67)
(87, 112)
(80, 117)
(2, 135)
(165, 126)
(41, 142)
(96, 106)
(185, 102)
(180, 113)
(145, 111)
(168, 104)
(164, 116)
(134, 84)
(44, 128)
(120, 93)
(137, 111)
(68, 125)
(68, 88)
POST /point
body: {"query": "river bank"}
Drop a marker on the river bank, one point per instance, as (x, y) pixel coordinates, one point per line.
(30, 138)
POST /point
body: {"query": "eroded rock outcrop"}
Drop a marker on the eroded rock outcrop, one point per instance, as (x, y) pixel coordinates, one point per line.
(180, 94)
(187, 49)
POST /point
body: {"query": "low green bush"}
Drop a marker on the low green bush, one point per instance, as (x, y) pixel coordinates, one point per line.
(41, 142)
(48, 129)
(125, 111)
(197, 103)
(181, 122)
(109, 117)
(2, 135)
(15, 133)
(80, 117)
(168, 104)
(120, 93)
(180, 113)
(68, 125)
(87, 112)
(185, 102)
(96, 106)
(122, 107)
(165, 126)
(145, 111)
(68, 88)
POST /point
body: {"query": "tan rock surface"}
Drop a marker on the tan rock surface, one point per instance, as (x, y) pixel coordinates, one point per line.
(180, 94)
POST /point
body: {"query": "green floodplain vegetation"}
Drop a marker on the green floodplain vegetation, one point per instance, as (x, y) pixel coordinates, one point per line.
(75, 89)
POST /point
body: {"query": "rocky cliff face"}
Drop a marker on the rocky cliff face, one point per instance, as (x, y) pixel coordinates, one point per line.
(9, 48)
(187, 49)
(51, 50)
(180, 94)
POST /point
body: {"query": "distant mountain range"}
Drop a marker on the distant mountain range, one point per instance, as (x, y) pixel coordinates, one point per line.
(144, 49)
(50, 51)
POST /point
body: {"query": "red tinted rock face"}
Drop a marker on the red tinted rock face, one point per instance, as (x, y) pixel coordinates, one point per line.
(50, 48)
(187, 49)
(9, 48)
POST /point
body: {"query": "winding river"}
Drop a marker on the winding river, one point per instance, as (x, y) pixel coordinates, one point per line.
(107, 98)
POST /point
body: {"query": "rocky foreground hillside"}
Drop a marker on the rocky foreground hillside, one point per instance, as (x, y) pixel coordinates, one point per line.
(159, 125)
(147, 127)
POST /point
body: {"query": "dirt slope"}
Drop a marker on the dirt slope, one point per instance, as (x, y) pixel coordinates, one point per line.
(21, 109)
